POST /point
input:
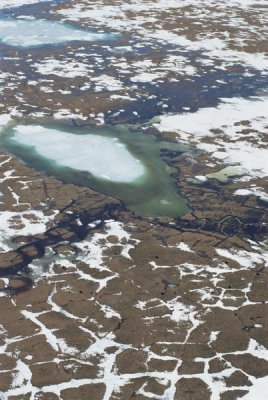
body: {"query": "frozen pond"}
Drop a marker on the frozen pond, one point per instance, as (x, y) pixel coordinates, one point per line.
(32, 32)
(104, 157)
(119, 161)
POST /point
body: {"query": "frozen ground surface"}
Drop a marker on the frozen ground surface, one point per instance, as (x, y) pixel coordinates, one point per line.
(214, 124)
(124, 308)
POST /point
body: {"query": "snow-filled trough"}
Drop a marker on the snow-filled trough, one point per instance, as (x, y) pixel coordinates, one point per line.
(115, 160)
(33, 32)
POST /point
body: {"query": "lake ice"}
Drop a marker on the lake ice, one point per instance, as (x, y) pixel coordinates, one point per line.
(30, 33)
(119, 161)
(104, 157)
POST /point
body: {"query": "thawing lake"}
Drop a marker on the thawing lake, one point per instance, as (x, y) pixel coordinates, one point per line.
(115, 160)
(105, 158)
(33, 32)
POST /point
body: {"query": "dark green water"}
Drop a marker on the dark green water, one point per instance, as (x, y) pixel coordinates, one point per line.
(156, 194)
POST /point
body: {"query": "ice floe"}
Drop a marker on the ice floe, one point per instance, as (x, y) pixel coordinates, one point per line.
(103, 157)
(4, 119)
(29, 33)
(18, 3)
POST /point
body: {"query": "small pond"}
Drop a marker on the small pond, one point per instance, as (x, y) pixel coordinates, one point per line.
(119, 160)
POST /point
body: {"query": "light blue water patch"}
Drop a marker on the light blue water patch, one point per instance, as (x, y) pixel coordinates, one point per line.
(30, 33)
